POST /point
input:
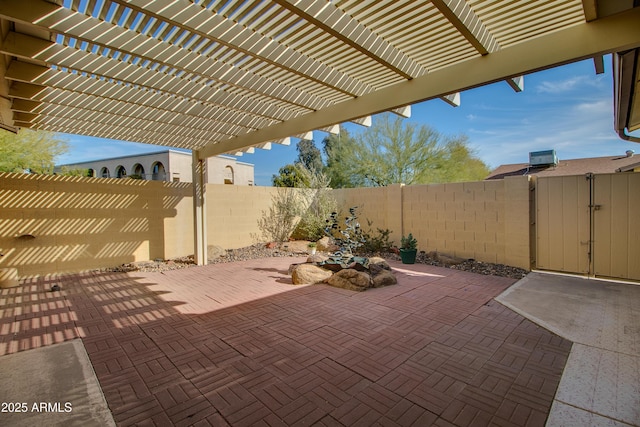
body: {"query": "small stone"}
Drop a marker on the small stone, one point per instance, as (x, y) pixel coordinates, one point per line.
(296, 246)
(214, 252)
(309, 274)
(325, 245)
(317, 257)
(449, 260)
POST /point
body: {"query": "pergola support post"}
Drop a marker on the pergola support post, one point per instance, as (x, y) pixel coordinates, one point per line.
(199, 209)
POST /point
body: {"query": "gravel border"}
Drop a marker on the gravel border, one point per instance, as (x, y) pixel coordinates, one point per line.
(262, 251)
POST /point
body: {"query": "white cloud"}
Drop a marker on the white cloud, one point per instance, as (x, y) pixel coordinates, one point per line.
(569, 84)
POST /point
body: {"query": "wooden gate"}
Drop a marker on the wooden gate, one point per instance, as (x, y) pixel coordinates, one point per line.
(589, 224)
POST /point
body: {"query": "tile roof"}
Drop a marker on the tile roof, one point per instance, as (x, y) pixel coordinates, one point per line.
(610, 164)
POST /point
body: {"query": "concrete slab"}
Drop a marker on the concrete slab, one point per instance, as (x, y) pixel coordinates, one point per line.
(601, 381)
(51, 386)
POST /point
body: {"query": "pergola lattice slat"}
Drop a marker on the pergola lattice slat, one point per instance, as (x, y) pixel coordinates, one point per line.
(221, 76)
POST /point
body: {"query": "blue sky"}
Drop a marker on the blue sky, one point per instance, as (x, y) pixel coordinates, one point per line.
(569, 109)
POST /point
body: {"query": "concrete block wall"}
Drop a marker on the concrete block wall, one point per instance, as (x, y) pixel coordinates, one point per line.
(233, 212)
(63, 224)
(487, 220)
(379, 206)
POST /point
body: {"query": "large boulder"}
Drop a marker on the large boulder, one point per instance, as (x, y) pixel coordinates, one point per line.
(383, 278)
(380, 262)
(309, 274)
(350, 279)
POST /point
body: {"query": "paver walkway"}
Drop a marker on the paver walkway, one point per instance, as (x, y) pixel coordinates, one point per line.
(237, 344)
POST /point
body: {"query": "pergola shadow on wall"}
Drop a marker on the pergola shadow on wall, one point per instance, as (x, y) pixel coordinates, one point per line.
(56, 224)
(234, 76)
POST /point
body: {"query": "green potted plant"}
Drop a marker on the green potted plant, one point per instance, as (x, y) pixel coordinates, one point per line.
(312, 247)
(408, 249)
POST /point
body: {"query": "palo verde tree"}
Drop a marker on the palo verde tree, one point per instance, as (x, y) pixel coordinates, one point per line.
(29, 150)
(396, 151)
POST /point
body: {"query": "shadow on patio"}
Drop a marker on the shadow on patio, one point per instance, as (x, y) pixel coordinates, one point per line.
(234, 344)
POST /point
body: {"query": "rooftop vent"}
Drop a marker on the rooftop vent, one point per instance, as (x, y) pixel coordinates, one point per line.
(629, 153)
(543, 158)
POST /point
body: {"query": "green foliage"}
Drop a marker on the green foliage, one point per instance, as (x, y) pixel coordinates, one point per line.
(395, 151)
(32, 151)
(376, 243)
(309, 156)
(318, 202)
(343, 157)
(408, 242)
(299, 210)
(289, 176)
(309, 161)
(280, 220)
(65, 171)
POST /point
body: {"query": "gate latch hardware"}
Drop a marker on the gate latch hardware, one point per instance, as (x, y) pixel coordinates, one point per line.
(595, 207)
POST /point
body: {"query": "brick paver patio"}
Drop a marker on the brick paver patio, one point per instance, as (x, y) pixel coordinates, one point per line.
(237, 344)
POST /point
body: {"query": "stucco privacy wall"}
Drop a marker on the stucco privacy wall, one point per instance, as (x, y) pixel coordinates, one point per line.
(59, 224)
(487, 220)
(233, 212)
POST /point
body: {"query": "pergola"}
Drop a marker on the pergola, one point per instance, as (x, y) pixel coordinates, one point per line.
(231, 76)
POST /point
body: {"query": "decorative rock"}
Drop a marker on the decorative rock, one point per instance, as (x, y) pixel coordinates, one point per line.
(384, 278)
(296, 246)
(376, 260)
(325, 245)
(317, 258)
(375, 269)
(309, 274)
(350, 279)
(446, 260)
(214, 252)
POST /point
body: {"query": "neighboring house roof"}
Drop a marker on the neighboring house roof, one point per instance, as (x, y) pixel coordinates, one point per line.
(610, 164)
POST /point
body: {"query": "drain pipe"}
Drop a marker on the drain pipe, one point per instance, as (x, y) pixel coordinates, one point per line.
(625, 68)
(623, 135)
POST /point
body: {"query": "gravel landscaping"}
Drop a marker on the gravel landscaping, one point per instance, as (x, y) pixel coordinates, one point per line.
(262, 251)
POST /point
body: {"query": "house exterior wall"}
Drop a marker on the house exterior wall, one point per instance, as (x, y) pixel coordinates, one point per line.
(221, 167)
(177, 167)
